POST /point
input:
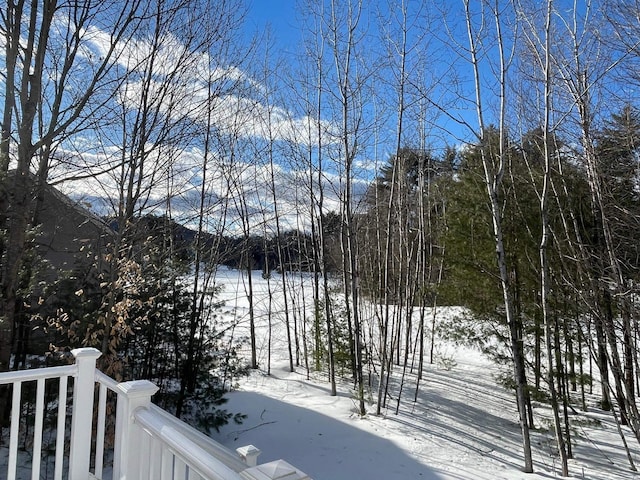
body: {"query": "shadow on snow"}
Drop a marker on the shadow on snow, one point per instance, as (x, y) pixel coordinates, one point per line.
(299, 436)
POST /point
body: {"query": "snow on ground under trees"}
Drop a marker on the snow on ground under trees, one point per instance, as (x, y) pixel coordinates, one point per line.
(463, 425)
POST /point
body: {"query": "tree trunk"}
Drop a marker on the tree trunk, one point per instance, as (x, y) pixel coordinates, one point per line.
(493, 182)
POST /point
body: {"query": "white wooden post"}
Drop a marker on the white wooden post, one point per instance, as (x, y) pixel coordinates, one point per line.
(278, 470)
(249, 455)
(131, 396)
(81, 419)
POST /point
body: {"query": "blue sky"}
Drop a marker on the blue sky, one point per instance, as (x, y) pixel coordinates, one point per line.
(280, 15)
(283, 19)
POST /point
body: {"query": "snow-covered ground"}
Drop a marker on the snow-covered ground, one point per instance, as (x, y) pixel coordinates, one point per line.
(461, 426)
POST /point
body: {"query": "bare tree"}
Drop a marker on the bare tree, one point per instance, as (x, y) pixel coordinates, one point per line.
(275, 171)
(217, 37)
(540, 44)
(397, 47)
(55, 77)
(317, 194)
(584, 73)
(344, 35)
(153, 121)
(494, 168)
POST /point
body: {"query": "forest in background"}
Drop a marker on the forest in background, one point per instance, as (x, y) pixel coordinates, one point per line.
(482, 154)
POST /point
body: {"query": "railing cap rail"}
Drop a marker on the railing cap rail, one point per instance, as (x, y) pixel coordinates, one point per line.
(37, 373)
(225, 455)
(204, 463)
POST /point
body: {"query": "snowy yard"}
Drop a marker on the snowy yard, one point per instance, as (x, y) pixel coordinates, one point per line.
(462, 426)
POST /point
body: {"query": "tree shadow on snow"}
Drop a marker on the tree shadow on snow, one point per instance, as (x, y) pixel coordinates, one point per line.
(320, 446)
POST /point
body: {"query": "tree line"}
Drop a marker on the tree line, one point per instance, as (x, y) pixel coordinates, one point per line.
(406, 155)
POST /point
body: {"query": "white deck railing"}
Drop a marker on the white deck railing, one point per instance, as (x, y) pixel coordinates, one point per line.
(118, 435)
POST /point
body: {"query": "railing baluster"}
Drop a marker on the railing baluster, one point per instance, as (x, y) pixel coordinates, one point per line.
(15, 429)
(100, 430)
(145, 457)
(62, 416)
(193, 475)
(180, 470)
(109, 386)
(155, 457)
(166, 472)
(37, 431)
(118, 451)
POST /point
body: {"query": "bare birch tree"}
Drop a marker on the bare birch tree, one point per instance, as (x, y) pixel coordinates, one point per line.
(315, 49)
(494, 169)
(584, 74)
(344, 36)
(541, 43)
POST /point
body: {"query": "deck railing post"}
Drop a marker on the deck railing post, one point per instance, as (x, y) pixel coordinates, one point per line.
(249, 454)
(81, 419)
(277, 470)
(127, 458)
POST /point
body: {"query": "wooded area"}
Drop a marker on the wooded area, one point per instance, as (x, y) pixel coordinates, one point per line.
(407, 155)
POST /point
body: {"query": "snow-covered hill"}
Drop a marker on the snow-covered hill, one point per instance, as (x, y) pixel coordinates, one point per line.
(462, 425)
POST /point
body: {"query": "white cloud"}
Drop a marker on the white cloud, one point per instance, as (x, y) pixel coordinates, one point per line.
(232, 112)
(225, 184)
